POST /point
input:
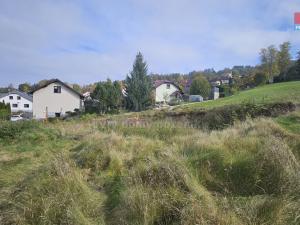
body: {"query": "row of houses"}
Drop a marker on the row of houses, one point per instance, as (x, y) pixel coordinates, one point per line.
(55, 98)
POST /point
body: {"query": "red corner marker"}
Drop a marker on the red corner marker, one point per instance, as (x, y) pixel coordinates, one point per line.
(297, 18)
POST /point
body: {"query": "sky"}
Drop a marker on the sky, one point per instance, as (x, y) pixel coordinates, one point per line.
(85, 41)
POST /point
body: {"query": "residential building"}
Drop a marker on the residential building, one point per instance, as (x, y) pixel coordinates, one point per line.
(55, 99)
(166, 91)
(19, 101)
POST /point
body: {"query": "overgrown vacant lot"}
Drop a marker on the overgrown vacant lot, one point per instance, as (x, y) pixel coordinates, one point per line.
(287, 91)
(85, 172)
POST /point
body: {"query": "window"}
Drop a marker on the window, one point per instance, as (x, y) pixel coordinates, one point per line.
(168, 86)
(11, 97)
(26, 105)
(57, 89)
(15, 105)
(19, 97)
(57, 114)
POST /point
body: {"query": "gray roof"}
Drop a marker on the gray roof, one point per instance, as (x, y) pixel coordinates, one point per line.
(60, 82)
(17, 92)
(3, 95)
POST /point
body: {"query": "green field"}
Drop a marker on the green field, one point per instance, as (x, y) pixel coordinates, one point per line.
(87, 172)
(280, 92)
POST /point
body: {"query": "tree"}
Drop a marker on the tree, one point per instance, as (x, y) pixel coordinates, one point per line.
(138, 85)
(77, 87)
(25, 87)
(39, 84)
(260, 78)
(107, 98)
(269, 61)
(298, 64)
(294, 71)
(200, 86)
(284, 58)
(4, 89)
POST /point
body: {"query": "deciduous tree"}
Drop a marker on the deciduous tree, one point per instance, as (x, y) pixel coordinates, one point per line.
(200, 86)
(107, 98)
(269, 61)
(284, 58)
(25, 87)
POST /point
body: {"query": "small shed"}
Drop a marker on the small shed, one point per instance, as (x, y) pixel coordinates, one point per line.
(195, 98)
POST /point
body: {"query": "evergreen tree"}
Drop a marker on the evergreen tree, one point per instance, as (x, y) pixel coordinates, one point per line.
(138, 85)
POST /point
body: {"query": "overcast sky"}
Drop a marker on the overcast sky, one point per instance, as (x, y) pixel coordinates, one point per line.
(84, 41)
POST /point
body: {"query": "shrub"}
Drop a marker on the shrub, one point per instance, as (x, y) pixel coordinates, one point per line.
(11, 130)
(260, 79)
(4, 111)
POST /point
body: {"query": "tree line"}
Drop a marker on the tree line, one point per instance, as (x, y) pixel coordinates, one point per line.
(135, 92)
(277, 64)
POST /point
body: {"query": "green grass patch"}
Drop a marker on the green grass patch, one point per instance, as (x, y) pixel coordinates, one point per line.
(290, 122)
(280, 92)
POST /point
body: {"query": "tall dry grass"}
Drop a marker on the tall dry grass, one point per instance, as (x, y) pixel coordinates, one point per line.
(161, 173)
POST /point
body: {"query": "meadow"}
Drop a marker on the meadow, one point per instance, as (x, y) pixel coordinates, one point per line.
(279, 92)
(231, 161)
(84, 171)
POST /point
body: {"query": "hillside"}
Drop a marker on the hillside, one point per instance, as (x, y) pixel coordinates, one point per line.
(280, 92)
(111, 171)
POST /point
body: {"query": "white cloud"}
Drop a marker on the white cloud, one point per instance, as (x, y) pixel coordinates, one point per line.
(87, 41)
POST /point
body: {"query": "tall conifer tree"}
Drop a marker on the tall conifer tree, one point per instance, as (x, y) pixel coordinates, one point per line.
(138, 85)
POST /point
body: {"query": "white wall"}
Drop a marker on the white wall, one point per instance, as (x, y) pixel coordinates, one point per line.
(20, 103)
(46, 101)
(162, 93)
(216, 93)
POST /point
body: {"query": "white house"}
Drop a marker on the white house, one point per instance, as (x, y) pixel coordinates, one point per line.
(165, 91)
(19, 101)
(54, 99)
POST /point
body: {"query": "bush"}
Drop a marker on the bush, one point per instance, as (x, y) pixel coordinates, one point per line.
(260, 79)
(4, 111)
(11, 130)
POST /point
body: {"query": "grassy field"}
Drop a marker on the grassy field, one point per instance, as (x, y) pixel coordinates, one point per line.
(280, 92)
(110, 171)
(84, 172)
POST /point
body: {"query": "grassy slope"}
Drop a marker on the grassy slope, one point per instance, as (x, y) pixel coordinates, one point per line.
(287, 91)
